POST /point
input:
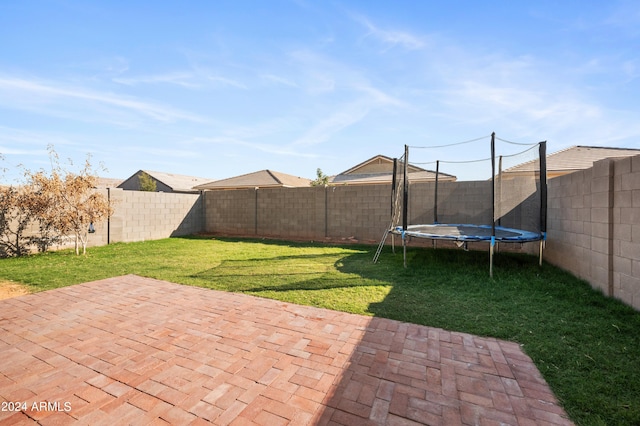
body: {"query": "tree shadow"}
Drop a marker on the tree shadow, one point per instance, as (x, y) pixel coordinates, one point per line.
(276, 273)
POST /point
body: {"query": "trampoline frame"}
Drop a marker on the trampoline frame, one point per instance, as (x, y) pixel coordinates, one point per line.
(522, 236)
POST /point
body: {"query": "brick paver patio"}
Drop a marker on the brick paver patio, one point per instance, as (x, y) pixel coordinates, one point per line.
(133, 350)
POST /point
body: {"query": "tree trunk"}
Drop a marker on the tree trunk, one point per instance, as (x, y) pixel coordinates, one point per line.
(85, 240)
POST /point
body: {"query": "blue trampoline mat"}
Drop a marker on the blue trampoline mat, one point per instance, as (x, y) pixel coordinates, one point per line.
(469, 232)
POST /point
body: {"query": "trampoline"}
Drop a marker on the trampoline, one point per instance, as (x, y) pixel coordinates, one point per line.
(469, 233)
(491, 231)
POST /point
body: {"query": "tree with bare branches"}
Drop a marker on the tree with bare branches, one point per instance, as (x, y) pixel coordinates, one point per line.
(15, 216)
(60, 202)
(68, 202)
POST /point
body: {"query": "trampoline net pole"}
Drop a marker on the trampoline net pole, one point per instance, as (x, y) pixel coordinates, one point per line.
(493, 202)
(405, 210)
(394, 189)
(543, 196)
(405, 200)
(393, 185)
(435, 198)
(493, 184)
(543, 187)
(500, 191)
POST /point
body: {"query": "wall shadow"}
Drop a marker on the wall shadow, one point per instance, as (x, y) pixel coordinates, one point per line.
(193, 221)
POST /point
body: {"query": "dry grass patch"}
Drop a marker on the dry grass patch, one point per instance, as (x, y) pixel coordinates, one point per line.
(10, 289)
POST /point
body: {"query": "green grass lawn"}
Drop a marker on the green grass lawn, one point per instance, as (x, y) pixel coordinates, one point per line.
(587, 346)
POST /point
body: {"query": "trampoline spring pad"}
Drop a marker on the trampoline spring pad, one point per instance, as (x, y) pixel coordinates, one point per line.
(468, 233)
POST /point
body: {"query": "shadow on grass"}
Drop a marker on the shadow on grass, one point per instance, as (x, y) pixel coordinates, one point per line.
(587, 346)
(276, 273)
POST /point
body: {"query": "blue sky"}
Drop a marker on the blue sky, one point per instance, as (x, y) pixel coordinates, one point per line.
(221, 88)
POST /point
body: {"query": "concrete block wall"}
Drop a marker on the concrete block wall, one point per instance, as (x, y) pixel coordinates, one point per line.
(289, 213)
(626, 231)
(594, 226)
(569, 223)
(140, 216)
(98, 238)
(313, 213)
(361, 212)
(231, 212)
(593, 217)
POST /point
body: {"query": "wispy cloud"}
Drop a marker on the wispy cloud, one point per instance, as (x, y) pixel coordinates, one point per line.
(334, 123)
(197, 78)
(225, 81)
(345, 95)
(162, 152)
(184, 79)
(283, 150)
(279, 80)
(549, 110)
(391, 38)
(626, 17)
(26, 93)
(13, 151)
(345, 116)
(29, 137)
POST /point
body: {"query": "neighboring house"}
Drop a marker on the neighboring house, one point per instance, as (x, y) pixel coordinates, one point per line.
(165, 182)
(379, 170)
(571, 160)
(260, 179)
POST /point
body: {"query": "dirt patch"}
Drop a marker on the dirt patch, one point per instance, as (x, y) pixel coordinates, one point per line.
(9, 289)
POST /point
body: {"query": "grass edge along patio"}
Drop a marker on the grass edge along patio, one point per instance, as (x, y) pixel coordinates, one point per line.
(585, 344)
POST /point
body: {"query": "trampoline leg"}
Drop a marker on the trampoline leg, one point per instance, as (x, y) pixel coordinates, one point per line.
(491, 260)
(393, 244)
(404, 251)
(541, 250)
(491, 257)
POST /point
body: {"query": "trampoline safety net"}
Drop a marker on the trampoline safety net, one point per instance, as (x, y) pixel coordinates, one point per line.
(507, 205)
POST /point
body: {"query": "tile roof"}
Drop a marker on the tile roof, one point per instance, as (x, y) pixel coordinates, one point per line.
(575, 158)
(176, 182)
(379, 169)
(259, 179)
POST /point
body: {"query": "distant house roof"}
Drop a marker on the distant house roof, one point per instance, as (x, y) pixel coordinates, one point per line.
(108, 182)
(573, 159)
(260, 179)
(379, 169)
(165, 182)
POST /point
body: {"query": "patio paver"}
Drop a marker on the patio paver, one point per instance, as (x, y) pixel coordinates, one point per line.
(133, 350)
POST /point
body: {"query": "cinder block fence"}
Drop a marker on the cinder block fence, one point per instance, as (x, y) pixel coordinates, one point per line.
(593, 217)
(594, 226)
(140, 216)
